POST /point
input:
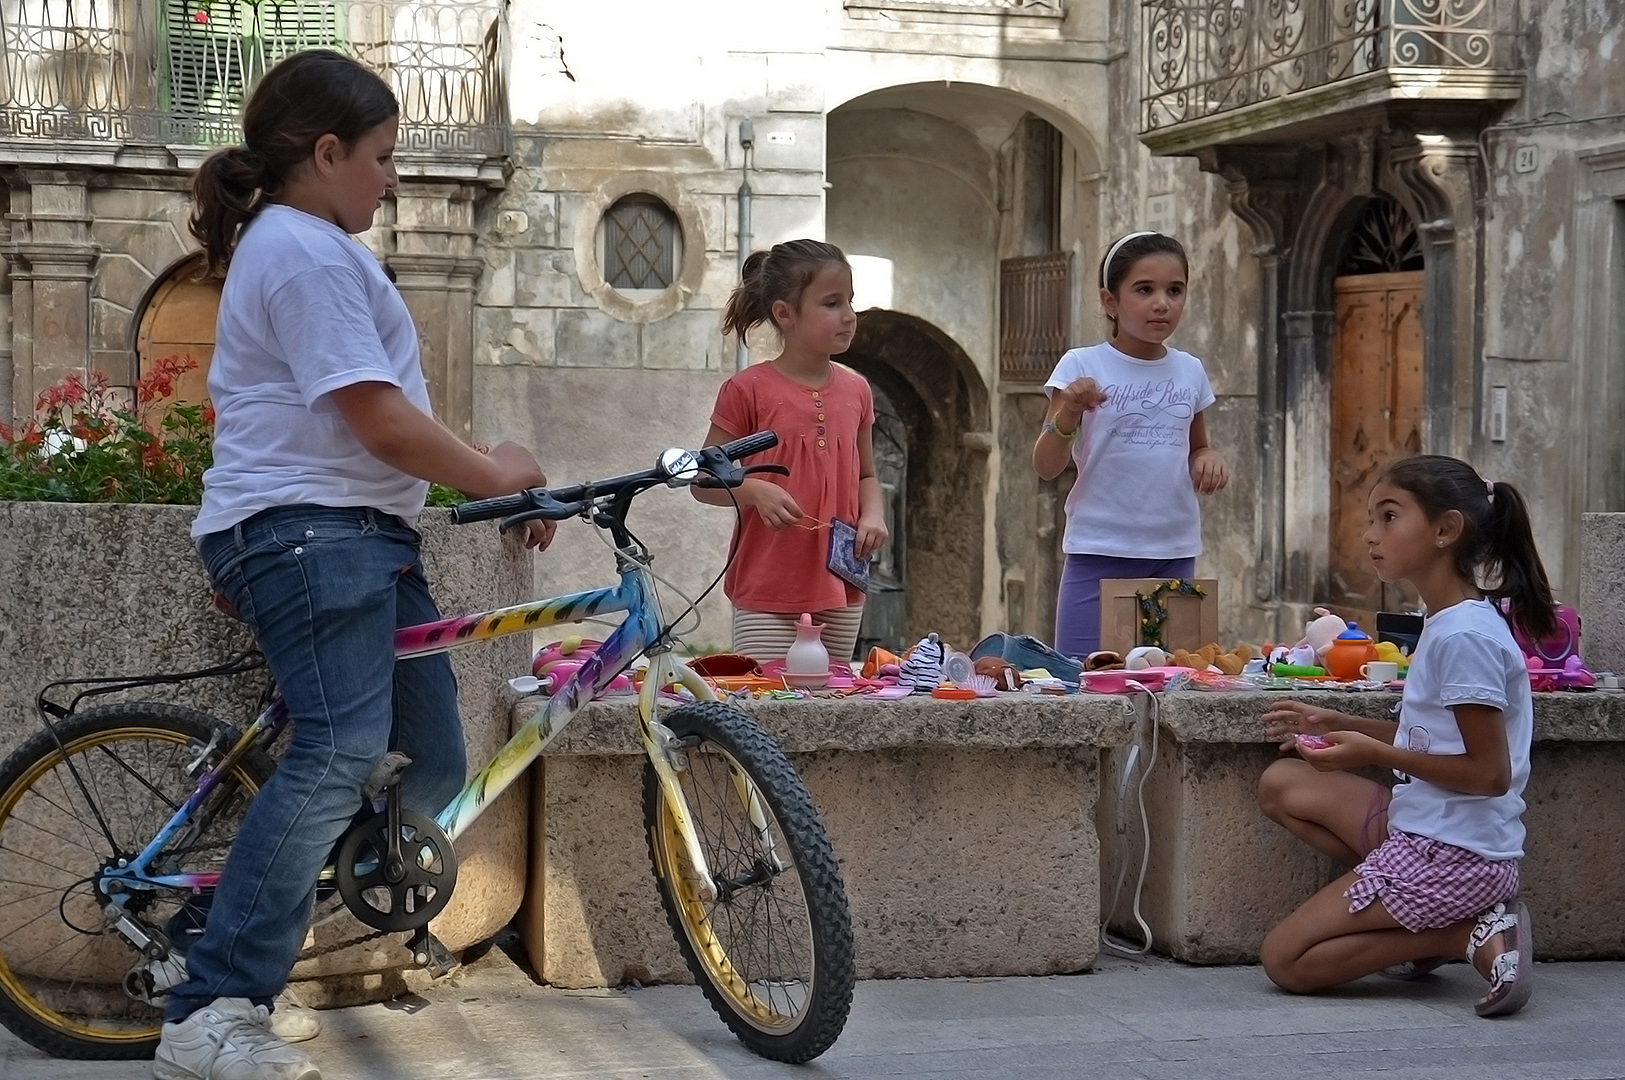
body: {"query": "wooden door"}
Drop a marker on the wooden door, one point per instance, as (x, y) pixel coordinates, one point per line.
(179, 321)
(1376, 411)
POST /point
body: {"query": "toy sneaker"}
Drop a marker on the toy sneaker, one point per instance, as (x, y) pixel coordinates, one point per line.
(229, 1039)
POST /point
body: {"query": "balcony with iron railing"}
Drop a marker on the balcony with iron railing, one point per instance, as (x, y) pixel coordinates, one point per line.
(1220, 71)
(86, 77)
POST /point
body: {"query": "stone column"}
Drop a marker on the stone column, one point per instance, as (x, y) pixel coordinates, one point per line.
(1440, 180)
(435, 265)
(50, 259)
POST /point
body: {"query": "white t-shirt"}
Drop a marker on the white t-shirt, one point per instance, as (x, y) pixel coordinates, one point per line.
(1133, 497)
(1466, 656)
(306, 310)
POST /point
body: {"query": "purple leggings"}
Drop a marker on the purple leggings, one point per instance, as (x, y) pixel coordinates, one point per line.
(1077, 610)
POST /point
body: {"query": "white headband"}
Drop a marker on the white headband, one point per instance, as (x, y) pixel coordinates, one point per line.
(1105, 267)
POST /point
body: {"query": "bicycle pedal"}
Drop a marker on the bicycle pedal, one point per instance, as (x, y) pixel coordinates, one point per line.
(431, 956)
(384, 774)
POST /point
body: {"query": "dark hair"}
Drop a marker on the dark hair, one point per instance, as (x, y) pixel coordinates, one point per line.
(1132, 251)
(1497, 546)
(305, 96)
(782, 273)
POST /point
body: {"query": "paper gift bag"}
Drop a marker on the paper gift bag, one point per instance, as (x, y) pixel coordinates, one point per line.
(1192, 621)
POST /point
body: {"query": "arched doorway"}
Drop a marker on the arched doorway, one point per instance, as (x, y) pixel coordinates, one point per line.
(928, 399)
(1376, 389)
(178, 319)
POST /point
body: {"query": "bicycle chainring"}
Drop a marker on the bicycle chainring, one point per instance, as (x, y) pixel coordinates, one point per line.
(417, 889)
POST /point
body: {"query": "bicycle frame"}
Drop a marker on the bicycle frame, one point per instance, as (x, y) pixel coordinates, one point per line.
(640, 632)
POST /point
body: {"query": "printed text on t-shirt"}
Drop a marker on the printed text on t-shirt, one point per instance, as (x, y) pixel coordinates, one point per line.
(1150, 413)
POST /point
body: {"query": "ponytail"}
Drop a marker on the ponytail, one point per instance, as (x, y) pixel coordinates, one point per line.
(303, 97)
(782, 273)
(1497, 546)
(228, 189)
(1520, 577)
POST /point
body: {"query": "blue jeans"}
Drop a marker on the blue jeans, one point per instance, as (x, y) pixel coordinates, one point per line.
(323, 589)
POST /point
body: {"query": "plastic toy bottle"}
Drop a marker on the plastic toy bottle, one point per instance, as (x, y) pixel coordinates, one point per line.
(807, 662)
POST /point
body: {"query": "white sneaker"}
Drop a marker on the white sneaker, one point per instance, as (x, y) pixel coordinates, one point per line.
(292, 1020)
(230, 1039)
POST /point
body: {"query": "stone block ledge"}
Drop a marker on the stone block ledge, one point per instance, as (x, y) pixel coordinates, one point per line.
(1197, 716)
(965, 833)
(809, 725)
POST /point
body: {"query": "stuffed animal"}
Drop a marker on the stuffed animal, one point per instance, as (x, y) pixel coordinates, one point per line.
(1146, 656)
(922, 671)
(1001, 671)
(1321, 632)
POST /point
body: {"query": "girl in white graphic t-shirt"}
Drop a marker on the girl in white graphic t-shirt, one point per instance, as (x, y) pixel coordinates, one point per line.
(1129, 413)
(1437, 873)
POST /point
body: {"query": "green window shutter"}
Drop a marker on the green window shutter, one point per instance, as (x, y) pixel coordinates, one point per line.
(214, 51)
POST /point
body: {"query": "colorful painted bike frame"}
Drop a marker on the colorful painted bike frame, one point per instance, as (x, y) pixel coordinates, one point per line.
(638, 633)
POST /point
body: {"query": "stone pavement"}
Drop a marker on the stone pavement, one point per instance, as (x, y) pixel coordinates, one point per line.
(1129, 1019)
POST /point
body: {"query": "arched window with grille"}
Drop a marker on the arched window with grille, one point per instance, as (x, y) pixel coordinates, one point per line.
(642, 244)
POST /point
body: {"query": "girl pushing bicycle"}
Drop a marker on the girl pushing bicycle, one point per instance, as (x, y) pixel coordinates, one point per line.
(1437, 873)
(325, 445)
(824, 415)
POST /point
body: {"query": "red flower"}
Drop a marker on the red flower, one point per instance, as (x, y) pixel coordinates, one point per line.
(200, 16)
(73, 389)
(32, 436)
(5, 433)
(208, 413)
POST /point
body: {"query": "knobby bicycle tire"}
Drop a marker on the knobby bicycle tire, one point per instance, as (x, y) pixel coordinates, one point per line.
(773, 952)
(62, 965)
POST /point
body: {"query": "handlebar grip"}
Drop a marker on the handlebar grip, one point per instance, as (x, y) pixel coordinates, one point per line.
(751, 444)
(486, 509)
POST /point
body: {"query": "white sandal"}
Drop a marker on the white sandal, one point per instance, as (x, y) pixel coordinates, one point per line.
(1512, 971)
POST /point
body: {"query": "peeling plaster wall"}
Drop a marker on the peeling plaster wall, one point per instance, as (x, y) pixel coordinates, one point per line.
(647, 96)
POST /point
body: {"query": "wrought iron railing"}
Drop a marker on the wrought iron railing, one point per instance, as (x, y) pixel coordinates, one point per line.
(1203, 57)
(1035, 315)
(177, 71)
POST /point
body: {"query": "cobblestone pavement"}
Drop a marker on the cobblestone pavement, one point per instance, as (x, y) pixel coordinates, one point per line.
(1158, 1020)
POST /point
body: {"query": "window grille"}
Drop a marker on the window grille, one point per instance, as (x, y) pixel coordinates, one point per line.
(215, 50)
(1035, 315)
(640, 244)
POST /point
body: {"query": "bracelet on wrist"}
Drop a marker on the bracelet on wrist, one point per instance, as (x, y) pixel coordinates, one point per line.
(1065, 436)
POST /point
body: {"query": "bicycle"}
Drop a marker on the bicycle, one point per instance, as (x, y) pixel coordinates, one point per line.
(115, 820)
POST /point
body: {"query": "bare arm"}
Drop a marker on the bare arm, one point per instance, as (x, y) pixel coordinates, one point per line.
(871, 525)
(774, 504)
(1286, 718)
(1052, 453)
(400, 434)
(1209, 471)
(1485, 769)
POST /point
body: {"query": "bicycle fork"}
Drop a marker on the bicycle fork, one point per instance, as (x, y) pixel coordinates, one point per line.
(665, 754)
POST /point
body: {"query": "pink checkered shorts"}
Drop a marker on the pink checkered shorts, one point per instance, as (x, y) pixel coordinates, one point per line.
(1426, 884)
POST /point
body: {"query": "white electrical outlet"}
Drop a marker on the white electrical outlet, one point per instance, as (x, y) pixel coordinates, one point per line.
(1498, 414)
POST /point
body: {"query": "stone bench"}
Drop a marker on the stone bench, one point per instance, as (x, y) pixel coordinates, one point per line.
(965, 833)
(1222, 874)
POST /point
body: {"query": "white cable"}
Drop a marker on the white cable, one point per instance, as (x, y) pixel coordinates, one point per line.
(1147, 762)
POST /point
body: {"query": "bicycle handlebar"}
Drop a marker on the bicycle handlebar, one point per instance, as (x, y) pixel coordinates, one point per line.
(566, 502)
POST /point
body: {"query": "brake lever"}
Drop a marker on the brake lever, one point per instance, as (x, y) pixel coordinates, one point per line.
(782, 470)
(546, 507)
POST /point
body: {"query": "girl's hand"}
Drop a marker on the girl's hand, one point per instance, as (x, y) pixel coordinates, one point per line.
(1287, 719)
(518, 465)
(773, 504)
(872, 533)
(1349, 750)
(539, 534)
(1209, 471)
(1080, 396)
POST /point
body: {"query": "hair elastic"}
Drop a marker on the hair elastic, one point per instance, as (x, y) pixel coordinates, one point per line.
(1489, 489)
(1111, 253)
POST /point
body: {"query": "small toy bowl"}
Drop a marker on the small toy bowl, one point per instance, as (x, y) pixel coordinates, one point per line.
(815, 681)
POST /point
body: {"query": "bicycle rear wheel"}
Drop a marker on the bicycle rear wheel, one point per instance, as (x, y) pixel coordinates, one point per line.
(66, 813)
(773, 950)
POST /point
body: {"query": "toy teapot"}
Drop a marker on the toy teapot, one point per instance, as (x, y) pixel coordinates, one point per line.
(1349, 652)
(807, 662)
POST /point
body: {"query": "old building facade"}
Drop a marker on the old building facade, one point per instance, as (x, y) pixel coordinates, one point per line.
(1418, 223)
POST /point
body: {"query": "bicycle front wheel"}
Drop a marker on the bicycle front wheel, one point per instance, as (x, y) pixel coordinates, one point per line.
(69, 811)
(773, 949)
